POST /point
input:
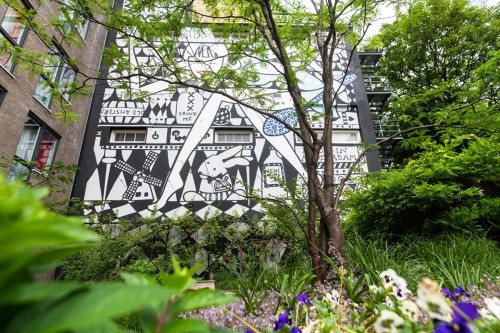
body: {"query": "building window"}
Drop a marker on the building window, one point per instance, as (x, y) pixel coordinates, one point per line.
(233, 136)
(345, 137)
(2, 94)
(12, 33)
(337, 136)
(58, 73)
(128, 136)
(73, 21)
(36, 150)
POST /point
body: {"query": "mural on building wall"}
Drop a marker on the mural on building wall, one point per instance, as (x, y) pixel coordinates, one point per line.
(200, 151)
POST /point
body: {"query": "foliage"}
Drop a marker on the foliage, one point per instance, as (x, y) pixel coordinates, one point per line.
(431, 50)
(438, 42)
(452, 260)
(33, 240)
(252, 289)
(104, 261)
(146, 244)
(289, 282)
(56, 178)
(390, 307)
(450, 188)
(440, 59)
(142, 245)
(279, 211)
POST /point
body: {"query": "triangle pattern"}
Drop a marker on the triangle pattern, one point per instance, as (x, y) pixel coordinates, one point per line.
(118, 189)
(93, 188)
(126, 154)
(172, 154)
(189, 185)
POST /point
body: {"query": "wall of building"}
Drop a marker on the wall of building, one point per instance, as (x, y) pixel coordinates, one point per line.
(180, 167)
(19, 103)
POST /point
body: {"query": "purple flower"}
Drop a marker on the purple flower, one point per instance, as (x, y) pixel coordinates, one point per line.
(283, 319)
(463, 313)
(303, 299)
(448, 293)
(461, 291)
(295, 330)
(248, 331)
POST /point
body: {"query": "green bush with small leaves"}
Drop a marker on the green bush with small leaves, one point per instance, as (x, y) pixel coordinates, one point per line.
(452, 187)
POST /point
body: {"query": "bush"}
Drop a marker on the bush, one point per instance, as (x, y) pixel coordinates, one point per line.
(449, 188)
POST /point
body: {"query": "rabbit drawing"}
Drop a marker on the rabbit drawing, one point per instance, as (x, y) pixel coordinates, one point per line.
(215, 181)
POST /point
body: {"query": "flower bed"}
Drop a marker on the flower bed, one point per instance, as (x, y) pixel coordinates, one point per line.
(383, 306)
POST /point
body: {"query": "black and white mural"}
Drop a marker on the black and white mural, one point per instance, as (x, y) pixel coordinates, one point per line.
(185, 149)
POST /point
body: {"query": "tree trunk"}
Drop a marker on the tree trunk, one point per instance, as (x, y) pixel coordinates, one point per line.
(332, 221)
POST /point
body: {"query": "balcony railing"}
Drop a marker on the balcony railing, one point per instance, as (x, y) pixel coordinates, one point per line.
(376, 83)
(384, 126)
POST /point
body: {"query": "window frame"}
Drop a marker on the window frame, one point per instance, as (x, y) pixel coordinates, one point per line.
(23, 166)
(3, 92)
(68, 27)
(239, 131)
(135, 131)
(10, 62)
(357, 133)
(56, 77)
(320, 133)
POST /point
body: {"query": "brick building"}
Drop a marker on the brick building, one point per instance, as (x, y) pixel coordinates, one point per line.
(29, 128)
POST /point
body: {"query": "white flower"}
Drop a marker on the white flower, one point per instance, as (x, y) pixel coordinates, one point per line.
(399, 289)
(388, 322)
(333, 298)
(410, 309)
(375, 289)
(395, 284)
(487, 315)
(389, 302)
(435, 305)
(493, 306)
(388, 277)
(432, 301)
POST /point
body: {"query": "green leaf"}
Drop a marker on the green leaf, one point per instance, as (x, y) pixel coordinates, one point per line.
(137, 279)
(90, 306)
(176, 282)
(29, 293)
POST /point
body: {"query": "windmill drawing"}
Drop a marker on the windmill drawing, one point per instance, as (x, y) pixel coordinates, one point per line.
(140, 186)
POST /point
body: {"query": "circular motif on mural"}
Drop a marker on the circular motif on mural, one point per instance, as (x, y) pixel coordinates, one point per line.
(272, 127)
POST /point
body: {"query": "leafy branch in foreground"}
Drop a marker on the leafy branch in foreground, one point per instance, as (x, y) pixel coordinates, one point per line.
(33, 240)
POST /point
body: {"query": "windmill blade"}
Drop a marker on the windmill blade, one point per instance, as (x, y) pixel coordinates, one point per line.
(125, 167)
(132, 188)
(152, 156)
(152, 181)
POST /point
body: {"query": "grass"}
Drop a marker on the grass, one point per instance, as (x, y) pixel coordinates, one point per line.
(454, 260)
